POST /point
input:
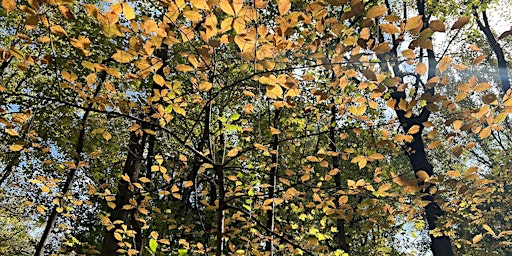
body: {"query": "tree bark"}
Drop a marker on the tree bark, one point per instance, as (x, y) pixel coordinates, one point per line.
(272, 181)
(341, 239)
(496, 48)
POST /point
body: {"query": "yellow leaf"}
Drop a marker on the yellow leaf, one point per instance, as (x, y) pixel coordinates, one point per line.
(128, 11)
(200, 4)
(477, 238)
(413, 23)
(274, 131)
(56, 29)
(444, 63)
(343, 200)
(188, 184)
(362, 163)
(233, 152)
(461, 22)
(376, 156)
(16, 147)
(144, 180)
(225, 6)
(486, 132)
(118, 236)
(284, 6)
(481, 87)
(193, 15)
(489, 229)
(184, 68)
(111, 205)
(45, 189)
(123, 57)
(158, 79)
(274, 91)
(376, 11)
(12, 132)
(457, 124)
(107, 136)
(260, 147)
(414, 129)
(205, 86)
(313, 159)
(9, 5)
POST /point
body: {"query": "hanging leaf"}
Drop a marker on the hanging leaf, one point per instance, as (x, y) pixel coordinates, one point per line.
(461, 22)
(9, 5)
(284, 6)
(376, 11)
(413, 23)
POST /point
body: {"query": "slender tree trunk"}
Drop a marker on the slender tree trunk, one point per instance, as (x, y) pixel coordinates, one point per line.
(341, 239)
(220, 211)
(496, 48)
(273, 183)
(124, 191)
(66, 188)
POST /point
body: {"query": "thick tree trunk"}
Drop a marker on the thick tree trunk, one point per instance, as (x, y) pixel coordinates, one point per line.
(124, 193)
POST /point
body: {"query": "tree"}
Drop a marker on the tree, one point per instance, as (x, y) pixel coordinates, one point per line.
(235, 127)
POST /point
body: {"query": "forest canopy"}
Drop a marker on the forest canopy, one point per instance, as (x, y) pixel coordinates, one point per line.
(255, 127)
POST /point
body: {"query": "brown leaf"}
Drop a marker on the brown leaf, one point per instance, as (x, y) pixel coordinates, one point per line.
(376, 11)
(437, 26)
(413, 23)
(389, 28)
(461, 22)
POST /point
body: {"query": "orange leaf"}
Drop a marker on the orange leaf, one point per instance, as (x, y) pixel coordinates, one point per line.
(376, 11)
(434, 144)
(444, 63)
(284, 6)
(389, 28)
(421, 68)
(414, 129)
(205, 86)
(486, 132)
(413, 23)
(56, 29)
(9, 5)
(16, 147)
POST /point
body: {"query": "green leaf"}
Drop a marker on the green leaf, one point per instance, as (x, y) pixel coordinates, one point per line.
(153, 245)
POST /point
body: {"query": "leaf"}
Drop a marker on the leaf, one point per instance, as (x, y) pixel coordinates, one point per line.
(376, 11)
(184, 68)
(12, 132)
(284, 6)
(118, 236)
(444, 63)
(489, 229)
(422, 175)
(225, 6)
(9, 5)
(414, 129)
(205, 86)
(274, 131)
(188, 184)
(457, 124)
(477, 238)
(153, 245)
(421, 68)
(362, 163)
(16, 147)
(343, 200)
(437, 26)
(158, 79)
(381, 48)
(200, 4)
(45, 189)
(389, 28)
(479, 59)
(128, 11)
(123, 57)
(233, 152)
(56, 29)
(481, 87)
(414, 23)
(107, 136)
(461, 22)
(486, 132)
